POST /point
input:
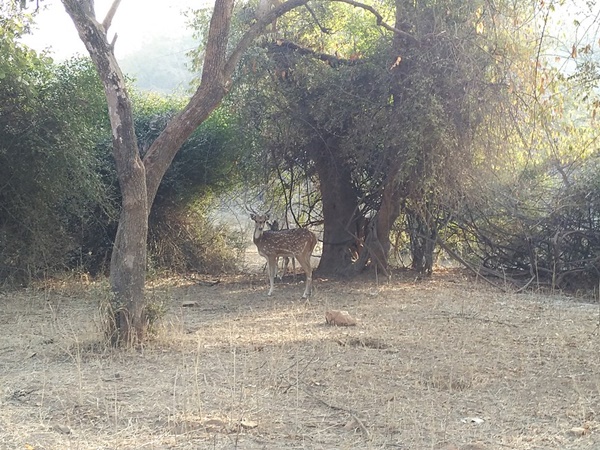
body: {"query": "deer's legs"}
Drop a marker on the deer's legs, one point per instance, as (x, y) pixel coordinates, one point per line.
(272, 270)
(284, 269)
(286, 264)
(305, 263)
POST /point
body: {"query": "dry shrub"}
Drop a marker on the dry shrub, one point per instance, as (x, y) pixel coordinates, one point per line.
(539, 228)
(188, 241)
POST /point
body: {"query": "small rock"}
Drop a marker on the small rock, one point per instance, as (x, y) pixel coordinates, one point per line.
(475, 420)
(339, 318)
(580, 431)
(189, 304)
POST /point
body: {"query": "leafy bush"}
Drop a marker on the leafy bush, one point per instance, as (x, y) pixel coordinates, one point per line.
(50, 119)
(185, 240)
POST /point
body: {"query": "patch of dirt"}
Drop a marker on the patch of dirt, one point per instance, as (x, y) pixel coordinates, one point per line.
(438, 363)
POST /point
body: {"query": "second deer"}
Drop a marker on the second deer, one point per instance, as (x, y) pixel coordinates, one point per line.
(297, 242)
(274, 226)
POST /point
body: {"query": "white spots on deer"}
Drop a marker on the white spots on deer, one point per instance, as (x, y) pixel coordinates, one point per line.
(297, 242)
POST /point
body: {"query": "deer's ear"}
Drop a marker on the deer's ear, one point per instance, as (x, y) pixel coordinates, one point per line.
(253, 217)
(267, 216)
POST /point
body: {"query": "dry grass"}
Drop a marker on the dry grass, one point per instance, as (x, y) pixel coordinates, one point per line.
(241, 370)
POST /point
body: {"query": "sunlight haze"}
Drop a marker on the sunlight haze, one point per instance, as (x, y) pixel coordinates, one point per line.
(135, 23)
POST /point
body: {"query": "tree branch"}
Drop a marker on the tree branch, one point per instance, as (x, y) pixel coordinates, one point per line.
(314, 16)
(379, 18)
(110, 14)
(255, 31)
(214, 84)
(458, 258)
(113, 42)
(332, 60)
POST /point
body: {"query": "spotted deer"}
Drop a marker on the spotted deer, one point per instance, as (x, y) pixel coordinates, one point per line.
(297, 242)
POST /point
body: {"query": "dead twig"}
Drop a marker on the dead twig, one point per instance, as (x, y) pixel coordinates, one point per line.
(360, 423)
(457, 257)
(481, 319)
(522, 288)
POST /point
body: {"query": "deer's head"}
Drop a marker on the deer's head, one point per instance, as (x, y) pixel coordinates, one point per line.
(260, 221)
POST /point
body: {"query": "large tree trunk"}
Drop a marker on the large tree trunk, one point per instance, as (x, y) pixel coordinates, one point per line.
(343, 224)
(340, 211)
(128, 265)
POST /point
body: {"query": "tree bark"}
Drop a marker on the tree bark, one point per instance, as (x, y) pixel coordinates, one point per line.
(340, 210)
(388, 212)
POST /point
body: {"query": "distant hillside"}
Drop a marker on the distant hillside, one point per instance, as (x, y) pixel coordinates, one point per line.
(161, 66)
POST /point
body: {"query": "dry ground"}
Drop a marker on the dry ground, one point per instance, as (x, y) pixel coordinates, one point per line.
(241, 370)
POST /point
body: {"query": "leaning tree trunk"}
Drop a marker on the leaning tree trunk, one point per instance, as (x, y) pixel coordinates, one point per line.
(377, 244)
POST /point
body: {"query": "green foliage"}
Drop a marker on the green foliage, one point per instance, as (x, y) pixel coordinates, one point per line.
(50, 118)
(59, 194)
(206, 162)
